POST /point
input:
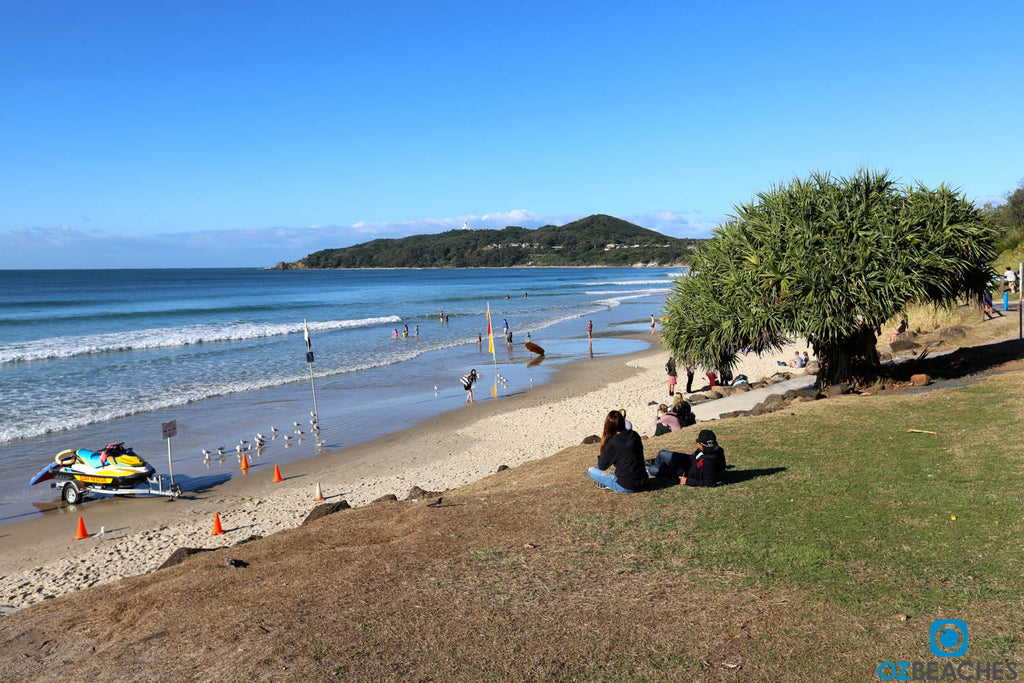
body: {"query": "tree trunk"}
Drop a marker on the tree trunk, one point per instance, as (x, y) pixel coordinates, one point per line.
(852, 359)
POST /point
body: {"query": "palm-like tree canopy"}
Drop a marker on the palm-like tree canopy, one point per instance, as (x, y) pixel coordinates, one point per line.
(829, 259)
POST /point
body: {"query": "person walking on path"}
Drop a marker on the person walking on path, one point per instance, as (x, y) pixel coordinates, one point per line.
(1011, 279)
(467, 384)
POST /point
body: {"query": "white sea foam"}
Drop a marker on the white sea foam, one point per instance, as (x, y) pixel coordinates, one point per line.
(170, 337)
(621, 283)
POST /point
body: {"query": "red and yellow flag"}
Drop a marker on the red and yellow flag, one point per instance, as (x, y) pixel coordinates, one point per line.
(490, 334)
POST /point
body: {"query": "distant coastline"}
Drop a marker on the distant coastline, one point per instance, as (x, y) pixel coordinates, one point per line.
(591, 242)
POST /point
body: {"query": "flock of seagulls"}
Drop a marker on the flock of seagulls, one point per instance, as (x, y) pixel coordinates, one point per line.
(259, 442)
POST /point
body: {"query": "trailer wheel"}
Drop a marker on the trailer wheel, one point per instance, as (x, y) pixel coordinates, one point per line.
(71, 494)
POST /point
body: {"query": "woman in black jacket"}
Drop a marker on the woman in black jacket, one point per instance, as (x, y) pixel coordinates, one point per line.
(624, 450)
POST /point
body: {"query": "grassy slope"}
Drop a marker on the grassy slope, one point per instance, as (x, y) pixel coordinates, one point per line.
(835, 522)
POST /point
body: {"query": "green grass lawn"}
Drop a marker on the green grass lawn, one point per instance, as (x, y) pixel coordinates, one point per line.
(840, 502)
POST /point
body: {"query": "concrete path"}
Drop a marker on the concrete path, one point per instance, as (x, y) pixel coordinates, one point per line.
(712, 410)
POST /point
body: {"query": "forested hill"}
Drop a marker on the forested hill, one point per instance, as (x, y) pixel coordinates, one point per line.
(592, 241)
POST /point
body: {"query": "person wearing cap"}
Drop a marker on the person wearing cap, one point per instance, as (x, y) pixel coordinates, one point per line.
(707, 463)
(622, 449)
(704, 468)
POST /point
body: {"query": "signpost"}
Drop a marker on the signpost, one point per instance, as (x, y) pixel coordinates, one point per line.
(309, 362)
(170, 429)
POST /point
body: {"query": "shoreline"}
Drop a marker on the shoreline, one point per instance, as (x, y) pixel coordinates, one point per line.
(41, 560)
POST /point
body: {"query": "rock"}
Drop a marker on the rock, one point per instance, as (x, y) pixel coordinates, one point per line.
(388, 497)
(502, 468)
(694, 400)
(417, 492)
(652, 403)
(734, 413)
(711, 395)
(839, 389)
(324, 510)
(593, 438)
(920, 380)
(758, 385)
(902, 345)
(179, 555)
(725, 391)
(743, 387)
(953, 333)
(774, 401)
(812, 394)
(237, 564)
(813, 367)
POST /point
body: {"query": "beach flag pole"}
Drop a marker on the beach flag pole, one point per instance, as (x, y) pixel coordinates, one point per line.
(309, 362)
(490, 348)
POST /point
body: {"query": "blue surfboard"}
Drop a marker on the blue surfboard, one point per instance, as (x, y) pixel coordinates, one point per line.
(45, 473)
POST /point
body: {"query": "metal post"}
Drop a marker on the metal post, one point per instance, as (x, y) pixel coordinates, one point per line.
(170, 466)
(316, 413)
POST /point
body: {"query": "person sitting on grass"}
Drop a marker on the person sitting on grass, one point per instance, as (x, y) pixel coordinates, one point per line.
(704, 468)
(665, 421)
(623, 449)
(681, 409)
(707, 464)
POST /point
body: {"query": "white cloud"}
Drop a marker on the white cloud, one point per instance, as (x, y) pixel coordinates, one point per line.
(677, 223)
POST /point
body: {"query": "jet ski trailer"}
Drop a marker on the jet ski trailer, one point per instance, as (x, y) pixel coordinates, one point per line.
(114, 471)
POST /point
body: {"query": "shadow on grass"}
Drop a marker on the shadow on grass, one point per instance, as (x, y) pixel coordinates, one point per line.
(962, 362)
(731, 476)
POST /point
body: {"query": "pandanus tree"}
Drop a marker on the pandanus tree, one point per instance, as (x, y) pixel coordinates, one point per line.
(831, 260)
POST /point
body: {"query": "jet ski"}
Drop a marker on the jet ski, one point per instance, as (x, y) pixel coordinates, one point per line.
(113, 470)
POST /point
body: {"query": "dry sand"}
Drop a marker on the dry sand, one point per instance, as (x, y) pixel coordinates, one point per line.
(41, 560)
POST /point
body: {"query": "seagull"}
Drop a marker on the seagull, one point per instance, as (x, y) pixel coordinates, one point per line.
(260, 437)
(435, 388)
(299, 432)
(287, 437)
(206, 453)
(220, 451)
(273, 430)
(312, 414)
(296, 424)
(102, 533)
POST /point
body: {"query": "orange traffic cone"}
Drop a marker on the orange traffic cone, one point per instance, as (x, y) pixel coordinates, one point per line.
(319, 495)
(245, 463)
(277, 475)
(82, 533)
(217, 529)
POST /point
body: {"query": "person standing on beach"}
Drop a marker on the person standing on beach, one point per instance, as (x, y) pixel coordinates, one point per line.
(590, 329)
(670, 368)
(690, 369)
(417, 333)
(467, 384)
(652, 323)
(405, 331)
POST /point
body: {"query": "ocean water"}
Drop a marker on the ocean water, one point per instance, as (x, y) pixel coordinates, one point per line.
(91, 356)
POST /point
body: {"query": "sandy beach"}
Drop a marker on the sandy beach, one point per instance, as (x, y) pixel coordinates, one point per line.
(40, 559)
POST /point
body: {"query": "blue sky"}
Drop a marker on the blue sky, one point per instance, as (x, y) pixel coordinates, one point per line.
(236, 133)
